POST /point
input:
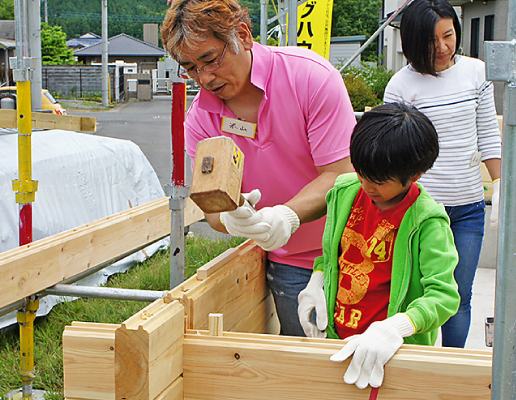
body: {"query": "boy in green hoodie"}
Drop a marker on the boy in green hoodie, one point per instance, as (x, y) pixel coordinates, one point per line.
(386, 273)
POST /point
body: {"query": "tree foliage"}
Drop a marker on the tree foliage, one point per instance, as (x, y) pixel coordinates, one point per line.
(54, 50)
(124, 16)
(77, 17)
(7, 9)
(356, 17)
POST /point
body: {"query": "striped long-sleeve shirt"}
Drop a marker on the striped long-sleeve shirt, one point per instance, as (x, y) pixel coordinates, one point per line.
(460, 104)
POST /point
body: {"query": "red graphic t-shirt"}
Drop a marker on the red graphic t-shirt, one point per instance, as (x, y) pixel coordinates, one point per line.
(365, 263)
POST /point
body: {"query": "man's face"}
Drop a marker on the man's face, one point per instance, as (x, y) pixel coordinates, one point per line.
(233, 72)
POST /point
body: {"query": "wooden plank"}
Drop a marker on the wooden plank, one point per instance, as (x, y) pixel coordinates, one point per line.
(173, 392)
(234, 290)
(88, 361)
(32, 268)
(149, 351)
(261, 319)
(9, 119)
(244, 367)
(214, 265)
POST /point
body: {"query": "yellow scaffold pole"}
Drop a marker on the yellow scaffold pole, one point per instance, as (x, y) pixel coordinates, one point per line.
(24, 186)
(25, 189)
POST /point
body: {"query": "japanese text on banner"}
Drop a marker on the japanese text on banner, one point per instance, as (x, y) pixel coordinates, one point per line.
(314, 26)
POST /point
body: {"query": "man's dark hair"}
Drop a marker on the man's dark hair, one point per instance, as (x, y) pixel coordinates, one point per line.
(393, 141)
(418, 32)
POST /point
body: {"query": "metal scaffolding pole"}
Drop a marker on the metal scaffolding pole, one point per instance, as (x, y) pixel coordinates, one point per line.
(24, 186)
(374, 35)
(105, 58)
(282, 16)
(34, 42)
(263, 21)
(177, 201)
(96, 292)
(501, 66)
(292, 23)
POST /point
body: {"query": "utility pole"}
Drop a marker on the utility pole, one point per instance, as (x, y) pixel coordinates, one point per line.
(46, 11)
(105, 84)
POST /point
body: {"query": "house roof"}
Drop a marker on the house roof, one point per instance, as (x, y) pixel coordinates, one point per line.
(88, 39)
(7, 44)
(123, 45)
(7, 29)
(347, 39)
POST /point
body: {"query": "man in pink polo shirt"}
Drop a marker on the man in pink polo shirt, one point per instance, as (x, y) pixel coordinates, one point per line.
(288, 110)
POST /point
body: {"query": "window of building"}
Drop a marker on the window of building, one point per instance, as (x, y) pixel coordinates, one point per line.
(475, 30)
(489, 27)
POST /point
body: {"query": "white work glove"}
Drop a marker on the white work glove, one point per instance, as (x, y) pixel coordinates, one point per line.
(312, 298)
(283, 222)
(372, 349)
(245, 221)
(495, 204)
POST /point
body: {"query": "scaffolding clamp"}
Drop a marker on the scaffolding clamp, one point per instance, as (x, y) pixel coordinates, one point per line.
(28, 312)
(22, 68)
(500, 62)
(25, 190)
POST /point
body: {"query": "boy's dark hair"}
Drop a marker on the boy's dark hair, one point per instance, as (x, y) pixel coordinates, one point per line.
(418, 32)
(393, 141)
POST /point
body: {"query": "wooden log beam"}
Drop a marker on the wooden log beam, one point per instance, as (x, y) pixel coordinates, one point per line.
(256, 367)
(88, 361)
(233, 290)
(149, 351)
(9, 119)
(29, 269)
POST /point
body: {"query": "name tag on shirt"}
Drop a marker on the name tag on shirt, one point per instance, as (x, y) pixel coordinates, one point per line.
(238, 127)
(475, 159)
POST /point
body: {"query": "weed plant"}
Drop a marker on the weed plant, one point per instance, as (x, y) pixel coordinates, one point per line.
(153, 274)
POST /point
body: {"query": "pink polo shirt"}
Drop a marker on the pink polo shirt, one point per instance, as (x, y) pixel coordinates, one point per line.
(305, 120)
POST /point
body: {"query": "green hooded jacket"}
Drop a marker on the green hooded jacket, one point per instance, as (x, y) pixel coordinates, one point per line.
(424, 259)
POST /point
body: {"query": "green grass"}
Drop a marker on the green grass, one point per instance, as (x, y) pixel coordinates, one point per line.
(153, 274)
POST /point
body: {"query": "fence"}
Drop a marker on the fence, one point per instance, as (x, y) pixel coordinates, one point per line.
(81, 80)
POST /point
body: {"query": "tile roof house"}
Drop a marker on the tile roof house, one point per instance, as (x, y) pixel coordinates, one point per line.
(126, 48)
(88, 39)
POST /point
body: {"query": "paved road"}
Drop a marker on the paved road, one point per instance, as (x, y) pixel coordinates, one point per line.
(146, 123)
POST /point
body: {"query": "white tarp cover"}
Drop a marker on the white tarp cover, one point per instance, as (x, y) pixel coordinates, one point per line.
(81, 178)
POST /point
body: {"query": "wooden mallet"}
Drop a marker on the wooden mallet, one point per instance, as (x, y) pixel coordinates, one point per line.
(217, 175)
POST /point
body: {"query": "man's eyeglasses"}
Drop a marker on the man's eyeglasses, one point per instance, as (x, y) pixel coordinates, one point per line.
(209, 67)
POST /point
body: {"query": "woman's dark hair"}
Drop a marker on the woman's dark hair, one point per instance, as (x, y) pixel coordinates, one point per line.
(393, 141)
(418, 32)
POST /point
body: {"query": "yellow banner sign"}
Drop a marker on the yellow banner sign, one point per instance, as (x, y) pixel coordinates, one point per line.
(314, 26)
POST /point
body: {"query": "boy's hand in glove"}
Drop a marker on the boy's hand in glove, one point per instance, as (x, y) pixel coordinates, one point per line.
(373, 349)
(312, 299)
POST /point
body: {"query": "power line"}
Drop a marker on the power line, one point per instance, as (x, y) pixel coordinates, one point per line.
(112, 17)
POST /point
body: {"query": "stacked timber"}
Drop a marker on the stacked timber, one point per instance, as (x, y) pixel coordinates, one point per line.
(166, 351)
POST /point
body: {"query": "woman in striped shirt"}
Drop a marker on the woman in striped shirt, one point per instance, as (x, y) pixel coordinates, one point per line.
(453, 92)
